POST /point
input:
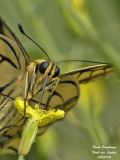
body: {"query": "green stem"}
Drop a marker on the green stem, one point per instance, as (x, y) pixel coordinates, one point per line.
(21, 157)
(28, 136)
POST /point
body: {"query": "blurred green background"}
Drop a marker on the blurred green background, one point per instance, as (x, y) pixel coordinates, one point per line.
(74, 29)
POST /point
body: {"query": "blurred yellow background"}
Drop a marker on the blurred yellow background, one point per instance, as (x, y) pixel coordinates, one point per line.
(74, 29)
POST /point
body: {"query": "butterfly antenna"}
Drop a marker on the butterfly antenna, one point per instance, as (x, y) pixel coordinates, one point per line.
(22, 31)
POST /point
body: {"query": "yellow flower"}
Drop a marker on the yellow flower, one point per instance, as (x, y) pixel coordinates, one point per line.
(43, 117)
(78, 4)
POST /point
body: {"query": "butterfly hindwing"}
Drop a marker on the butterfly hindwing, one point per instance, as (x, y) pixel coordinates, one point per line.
(67, 90)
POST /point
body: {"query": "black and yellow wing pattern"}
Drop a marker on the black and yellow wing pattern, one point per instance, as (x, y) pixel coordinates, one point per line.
(13, 62)
(38, 78)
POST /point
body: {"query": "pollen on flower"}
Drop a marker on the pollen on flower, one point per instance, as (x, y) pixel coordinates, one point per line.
(43, 117)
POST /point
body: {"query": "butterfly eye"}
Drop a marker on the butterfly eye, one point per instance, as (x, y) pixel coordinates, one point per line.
(42, 67)
(57, 72)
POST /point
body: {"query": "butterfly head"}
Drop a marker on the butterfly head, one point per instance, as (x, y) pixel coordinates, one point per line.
(48, 68)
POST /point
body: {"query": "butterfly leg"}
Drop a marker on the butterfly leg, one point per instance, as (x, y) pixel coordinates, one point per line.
(26, 91)
(54, 85)
(43, 90)
(33, 82)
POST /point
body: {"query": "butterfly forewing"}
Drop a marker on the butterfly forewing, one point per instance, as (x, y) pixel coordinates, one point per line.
(13, 62)
(6, 31)
(13, 59)
(86, 74)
